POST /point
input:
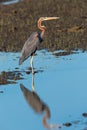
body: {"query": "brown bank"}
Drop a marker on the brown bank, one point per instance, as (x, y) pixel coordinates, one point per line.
(19, 20)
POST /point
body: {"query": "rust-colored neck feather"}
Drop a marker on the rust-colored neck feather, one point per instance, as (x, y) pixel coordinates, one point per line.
(46, 117)
(41, 27)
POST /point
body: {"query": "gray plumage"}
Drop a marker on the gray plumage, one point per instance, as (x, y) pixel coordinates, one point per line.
(30, 46)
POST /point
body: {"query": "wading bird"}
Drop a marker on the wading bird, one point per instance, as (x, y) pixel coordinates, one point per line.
(33, 41)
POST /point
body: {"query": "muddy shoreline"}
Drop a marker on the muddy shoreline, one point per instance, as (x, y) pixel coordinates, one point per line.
(18, 21)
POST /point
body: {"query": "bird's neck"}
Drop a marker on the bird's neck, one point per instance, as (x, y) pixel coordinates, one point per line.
(42, 34)
(40, 37)
(42, 28)
(46, 117)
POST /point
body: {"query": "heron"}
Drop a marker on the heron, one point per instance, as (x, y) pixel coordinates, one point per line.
(34, 40)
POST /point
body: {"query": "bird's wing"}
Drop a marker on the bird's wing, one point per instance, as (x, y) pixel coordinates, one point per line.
(29, 47)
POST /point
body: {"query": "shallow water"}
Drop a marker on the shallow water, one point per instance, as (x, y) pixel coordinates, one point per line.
(60, 82)
(6, 2)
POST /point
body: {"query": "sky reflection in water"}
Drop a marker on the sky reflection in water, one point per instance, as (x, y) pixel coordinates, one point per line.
(62, 86)
(7, 2)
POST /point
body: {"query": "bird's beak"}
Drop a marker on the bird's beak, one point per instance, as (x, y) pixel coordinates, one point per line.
(50, 18)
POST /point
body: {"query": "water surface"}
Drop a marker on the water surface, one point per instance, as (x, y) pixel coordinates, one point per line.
(7, 2)
(60, 82)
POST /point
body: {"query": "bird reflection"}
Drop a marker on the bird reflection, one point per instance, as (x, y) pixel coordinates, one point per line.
(36, 103)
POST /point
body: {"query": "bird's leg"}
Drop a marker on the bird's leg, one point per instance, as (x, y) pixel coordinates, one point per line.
(31, 62)
(33, 82)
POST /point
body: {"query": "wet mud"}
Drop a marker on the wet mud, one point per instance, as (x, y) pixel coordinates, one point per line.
(19, 20)
(84, 115)
(10, 77)
(67, 124)
(64, 53)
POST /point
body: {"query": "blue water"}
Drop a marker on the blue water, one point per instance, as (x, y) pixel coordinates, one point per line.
(62, 85)
(10, 2)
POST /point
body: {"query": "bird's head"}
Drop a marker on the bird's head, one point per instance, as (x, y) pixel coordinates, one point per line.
(41, 19)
